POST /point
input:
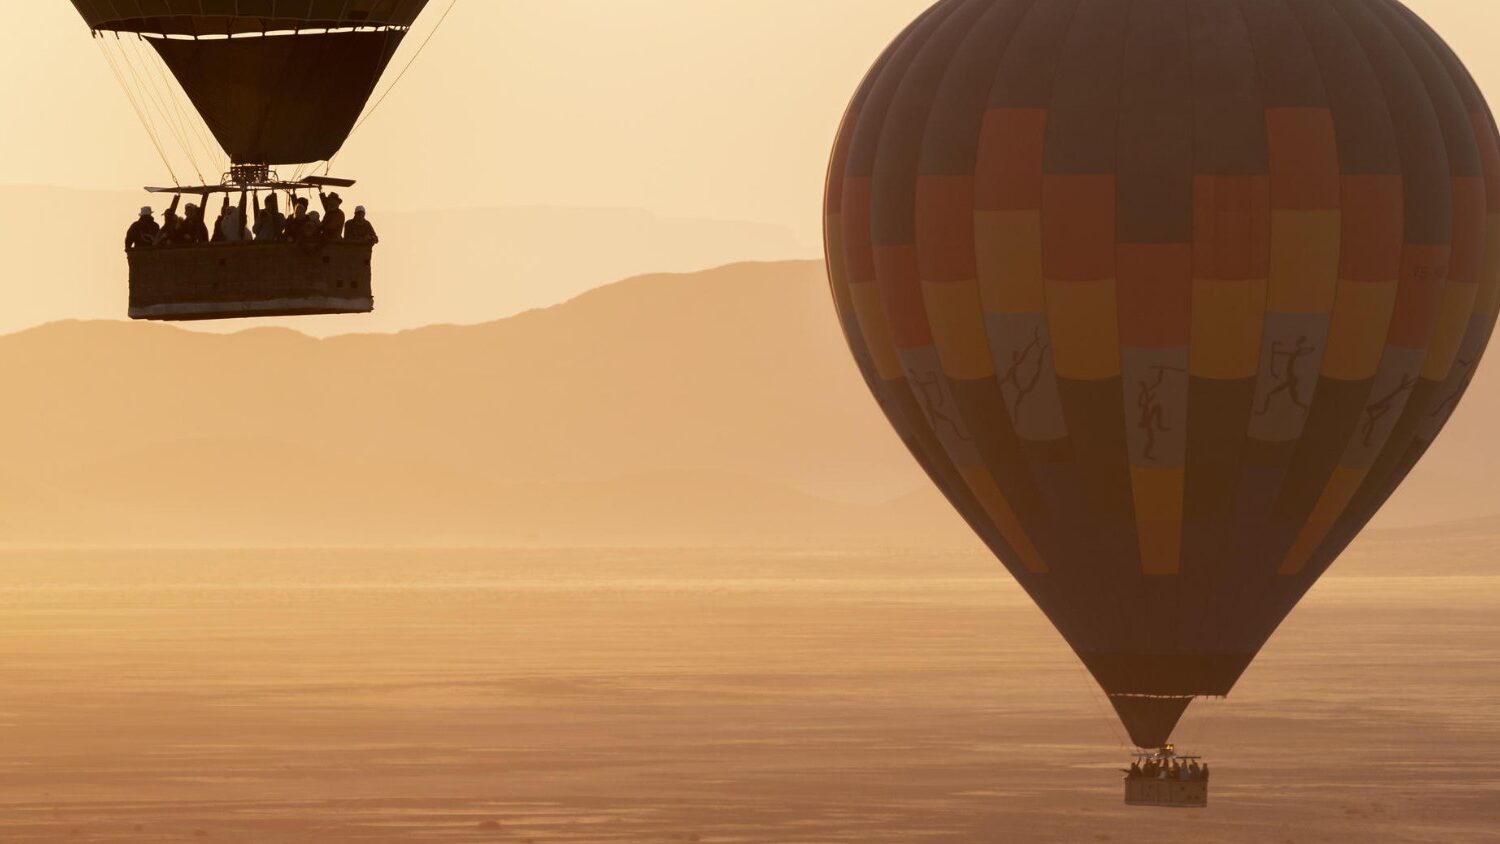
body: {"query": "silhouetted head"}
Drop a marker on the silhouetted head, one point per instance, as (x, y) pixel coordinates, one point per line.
(315, 217)
(145, 212)
(192, 211)
(359, 212)
(271, 202)
(335, 200)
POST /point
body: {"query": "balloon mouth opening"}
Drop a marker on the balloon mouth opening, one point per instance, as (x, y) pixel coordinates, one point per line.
(1150, 719)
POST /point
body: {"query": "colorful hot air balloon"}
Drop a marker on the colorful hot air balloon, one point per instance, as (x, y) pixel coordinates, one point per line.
(1167, 296)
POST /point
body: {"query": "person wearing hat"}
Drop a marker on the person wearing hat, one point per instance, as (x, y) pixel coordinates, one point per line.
(333, 216)
(142, 233)
(296, 221)
(359, 230)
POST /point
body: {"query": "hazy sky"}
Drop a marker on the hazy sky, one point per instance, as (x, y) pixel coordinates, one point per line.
(716, 108)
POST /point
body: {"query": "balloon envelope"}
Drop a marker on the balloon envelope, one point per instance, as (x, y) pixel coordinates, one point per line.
(288, 88)
(1166, 296)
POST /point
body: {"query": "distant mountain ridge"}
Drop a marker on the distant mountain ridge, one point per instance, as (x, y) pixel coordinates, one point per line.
(718, 407)
(713, 407)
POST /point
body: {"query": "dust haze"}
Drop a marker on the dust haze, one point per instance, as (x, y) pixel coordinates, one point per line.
(652, 589)
(592, 532)
(699, 695)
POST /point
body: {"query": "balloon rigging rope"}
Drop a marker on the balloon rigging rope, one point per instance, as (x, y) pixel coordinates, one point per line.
(1106, 711)
(188, 116)
(151, 103)
(136, 107)
(163, 98)
(155, 100)
(397, 80)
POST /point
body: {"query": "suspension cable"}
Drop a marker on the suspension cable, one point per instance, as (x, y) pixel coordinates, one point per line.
(188, 113)
(1106, 710)
(173, 123)
(161, 109)
(394, 82)
(135, 106)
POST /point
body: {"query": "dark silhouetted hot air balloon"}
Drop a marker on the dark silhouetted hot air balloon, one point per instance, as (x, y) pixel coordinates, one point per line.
(277, 82)
(1167, 296)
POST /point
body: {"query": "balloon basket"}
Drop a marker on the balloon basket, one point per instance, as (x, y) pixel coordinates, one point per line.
(1162, 779)
(230, 281)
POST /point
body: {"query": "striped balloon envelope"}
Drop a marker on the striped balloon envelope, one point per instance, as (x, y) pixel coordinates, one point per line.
(1167, 296)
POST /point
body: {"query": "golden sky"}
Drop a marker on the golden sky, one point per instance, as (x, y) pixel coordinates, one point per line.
(702, 108)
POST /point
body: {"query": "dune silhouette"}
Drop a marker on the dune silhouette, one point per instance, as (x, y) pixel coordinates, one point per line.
(712, 407)
(638, 412)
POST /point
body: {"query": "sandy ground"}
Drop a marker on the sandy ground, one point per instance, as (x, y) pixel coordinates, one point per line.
(704, 696)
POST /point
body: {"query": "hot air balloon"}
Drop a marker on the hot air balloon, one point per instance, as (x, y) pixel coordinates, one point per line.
(1166, 296)
(277, 82)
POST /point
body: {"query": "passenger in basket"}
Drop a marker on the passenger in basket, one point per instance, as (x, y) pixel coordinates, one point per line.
(192, 231)
(312, 230)
(359, 230)
(142, 233)
(269, 221)
(230, 227)
(170, 223)
(333, 216)
(293, 229)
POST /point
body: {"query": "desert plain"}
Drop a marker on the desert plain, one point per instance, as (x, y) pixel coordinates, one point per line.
(707, 695)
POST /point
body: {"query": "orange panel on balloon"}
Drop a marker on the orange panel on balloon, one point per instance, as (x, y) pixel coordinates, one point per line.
(1304, 261)
(957, 324)
(1469, 208)
(1082, 318)
(859, 245)
(1155, 292)
(1078, 227)
(1424, 273)
(1231, 226)
(1304, 159)
(1361, 324)
(945, 228)
(1008, 246)
(901, 289)
(1488, 301)
(1228, 317)
(838, 274)
(1373, 221)
(870, 313)
(1008, 173)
